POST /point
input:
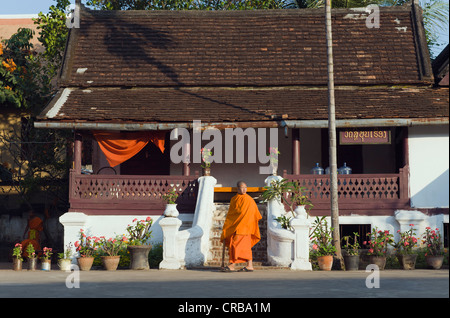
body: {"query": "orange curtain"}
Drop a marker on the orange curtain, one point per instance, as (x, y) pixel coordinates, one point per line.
(118, 147)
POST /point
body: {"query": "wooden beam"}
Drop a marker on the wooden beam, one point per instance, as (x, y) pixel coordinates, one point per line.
(234, 189)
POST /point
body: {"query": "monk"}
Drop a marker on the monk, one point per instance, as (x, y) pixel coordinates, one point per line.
(240, 230)
(35, 226)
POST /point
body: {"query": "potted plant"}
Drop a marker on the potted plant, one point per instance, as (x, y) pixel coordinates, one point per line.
(111, 247)
(139, 236)
(351, 257)
(300, 199)
(206, 163)
(405, 245)
(378, 244)
(32, 257)
(46, 258)
(290, 193)
(434, 253)
(17, 257)
(87, 248)
(323, 248)
(64, 259)
(171, 207)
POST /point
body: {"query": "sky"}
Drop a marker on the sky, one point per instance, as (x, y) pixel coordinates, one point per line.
(36, 6)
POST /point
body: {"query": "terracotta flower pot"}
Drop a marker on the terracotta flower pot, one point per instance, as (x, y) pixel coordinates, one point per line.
(434, 261)
(110, 263)
(85, 263)
(325, 262)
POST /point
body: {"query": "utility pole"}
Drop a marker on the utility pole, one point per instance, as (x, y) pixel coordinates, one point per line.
(332, 135)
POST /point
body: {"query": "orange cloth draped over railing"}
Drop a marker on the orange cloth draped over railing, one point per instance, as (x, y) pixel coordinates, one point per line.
(118, 147)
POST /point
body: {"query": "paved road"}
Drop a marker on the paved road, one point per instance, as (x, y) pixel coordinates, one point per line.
(212, 283)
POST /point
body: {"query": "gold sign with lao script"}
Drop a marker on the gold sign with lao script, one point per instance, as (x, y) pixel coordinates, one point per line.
(365, 137)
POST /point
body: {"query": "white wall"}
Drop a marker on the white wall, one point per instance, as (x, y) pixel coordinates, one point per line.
(429, 162)
(227, 174)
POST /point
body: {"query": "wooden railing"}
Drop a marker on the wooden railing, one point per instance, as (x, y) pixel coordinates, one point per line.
(129, 194)
(358, 193)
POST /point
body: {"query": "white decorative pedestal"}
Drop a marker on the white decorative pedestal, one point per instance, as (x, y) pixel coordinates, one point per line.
(301, 225)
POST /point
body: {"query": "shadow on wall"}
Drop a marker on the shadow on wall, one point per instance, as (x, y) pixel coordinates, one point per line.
(433, 195)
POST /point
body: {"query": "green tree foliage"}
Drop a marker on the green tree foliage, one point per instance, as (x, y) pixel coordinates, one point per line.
(53, 36)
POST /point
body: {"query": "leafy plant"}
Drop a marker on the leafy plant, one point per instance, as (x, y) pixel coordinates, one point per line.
(378, 242)
(31, 251)
(111, 246)
(351, 249)
(17, 251)
(87, 245)
(289, 192)
(67, 254)
(171, 196)
(206, 155)
(155, 256)
(47, 253)
(284, 222)
(406, 242)
(140, 234)
(321, 237)
(433, 242)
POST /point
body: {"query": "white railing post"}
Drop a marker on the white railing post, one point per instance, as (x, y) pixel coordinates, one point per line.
(301, 225)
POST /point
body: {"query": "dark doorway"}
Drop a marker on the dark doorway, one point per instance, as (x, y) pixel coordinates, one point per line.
(149, 161)
(349, 229)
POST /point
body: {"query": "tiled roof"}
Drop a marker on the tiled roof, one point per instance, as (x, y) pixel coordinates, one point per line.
(243, 66)
(240, 48)
(228, 105)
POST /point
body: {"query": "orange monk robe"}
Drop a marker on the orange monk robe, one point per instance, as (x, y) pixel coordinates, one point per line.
(35, 225)
(241, 230)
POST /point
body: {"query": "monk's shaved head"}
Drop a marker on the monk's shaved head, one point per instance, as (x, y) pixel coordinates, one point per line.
(241, 187)
(240, 183)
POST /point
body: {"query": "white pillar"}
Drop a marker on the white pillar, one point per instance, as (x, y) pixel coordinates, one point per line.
(72, 222)
(301, 225)
(170, 226)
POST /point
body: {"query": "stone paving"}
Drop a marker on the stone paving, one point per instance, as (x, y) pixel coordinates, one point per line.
(212, 283)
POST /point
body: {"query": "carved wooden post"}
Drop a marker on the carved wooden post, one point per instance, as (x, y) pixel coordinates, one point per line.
(295, 151)
(78, 144)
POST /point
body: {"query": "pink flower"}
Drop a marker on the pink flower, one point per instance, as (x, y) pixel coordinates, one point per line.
(371, 250)
(315, 247)
(365, 242)
(134, 220)
(77, 244)
(148, 219)
(411, 225)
